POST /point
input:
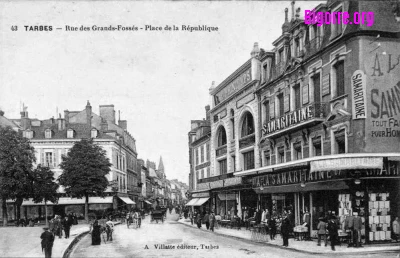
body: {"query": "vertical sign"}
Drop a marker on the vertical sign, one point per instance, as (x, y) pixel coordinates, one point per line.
(325, 85)
(358, 90)
(305, 94)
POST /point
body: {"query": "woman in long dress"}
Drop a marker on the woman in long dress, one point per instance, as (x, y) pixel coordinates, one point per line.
(96, 232)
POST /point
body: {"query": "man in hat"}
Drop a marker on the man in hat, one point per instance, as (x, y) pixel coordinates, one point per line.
(47, 242)
(357, 225)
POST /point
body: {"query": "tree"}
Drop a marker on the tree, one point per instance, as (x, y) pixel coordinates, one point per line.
(44, 187)
(85, 169)
(16, 162)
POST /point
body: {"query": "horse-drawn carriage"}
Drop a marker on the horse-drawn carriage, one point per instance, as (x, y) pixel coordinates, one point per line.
(157, 215)
(133, 218)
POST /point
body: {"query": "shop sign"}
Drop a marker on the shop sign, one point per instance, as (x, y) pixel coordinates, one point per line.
(233, 181)
(233, 87)
(358, 88)
(203, 186)
(200, 195)
(389, 169)
(217, 184)
(288, 120)
(347, 163)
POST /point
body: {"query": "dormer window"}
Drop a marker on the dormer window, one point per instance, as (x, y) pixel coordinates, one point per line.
(28, 134)
(337, 29)
(70, 133)
(48, 134)
(93, 133)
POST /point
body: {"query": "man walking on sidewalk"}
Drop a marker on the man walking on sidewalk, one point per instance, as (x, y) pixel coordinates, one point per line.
(206, 220)
(47, 242)
(212, 221)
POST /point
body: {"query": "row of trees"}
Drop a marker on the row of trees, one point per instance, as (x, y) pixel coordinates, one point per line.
(84, 173)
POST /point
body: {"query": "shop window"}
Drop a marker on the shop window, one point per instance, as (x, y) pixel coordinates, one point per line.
(267, 158)
(297, 103)
(339, 78)
(297, 151)
(340, 142)
(223, 168)
(266, 111)
(233, 123)
(317, 146)
(248, 159)
(281, 105)
(281, 154)
(202, 154)
(248, 125)
(221, 137)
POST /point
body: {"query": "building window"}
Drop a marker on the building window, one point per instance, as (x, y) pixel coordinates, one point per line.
(221, 137)
(267, 158)
(265, 72)
(233, 123)
(317, 146)
(297, 151)
(208, 151)
(197, 156)
(208, 172)
(215, 118)
(340, 142)
(48, 133)
(297, 103)
(281, 105)
(70, 133)
(223, 167)
(202, 173)
(280, 56)
(248, 159)
(297, 46)
(248, 125)
(202, 154)
(339, 77)
(337, 28)
(281, 154)
(317, 87)
(49, 159)
(266, 111)
(28, 134)
(93, 133)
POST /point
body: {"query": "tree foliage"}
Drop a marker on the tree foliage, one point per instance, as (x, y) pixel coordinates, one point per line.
(16, 162)
(84, 171)
(44, 185)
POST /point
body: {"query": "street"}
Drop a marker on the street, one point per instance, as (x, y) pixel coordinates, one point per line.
(171, 239)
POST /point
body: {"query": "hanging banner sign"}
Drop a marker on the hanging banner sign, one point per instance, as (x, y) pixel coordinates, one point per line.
(358, 89)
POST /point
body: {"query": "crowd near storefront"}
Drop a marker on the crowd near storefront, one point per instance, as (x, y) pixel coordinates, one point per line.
(310, 129)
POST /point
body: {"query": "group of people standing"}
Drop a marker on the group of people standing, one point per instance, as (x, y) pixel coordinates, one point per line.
(207, 218)
(96, 229)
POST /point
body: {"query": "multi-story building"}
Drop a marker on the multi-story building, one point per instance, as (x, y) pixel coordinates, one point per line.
(328, 123)
(53, 138)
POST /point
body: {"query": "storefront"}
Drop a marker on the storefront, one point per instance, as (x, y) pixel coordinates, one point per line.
(336, 186)
(200, 201)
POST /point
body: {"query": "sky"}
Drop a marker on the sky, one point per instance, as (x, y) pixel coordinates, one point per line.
(158, 80)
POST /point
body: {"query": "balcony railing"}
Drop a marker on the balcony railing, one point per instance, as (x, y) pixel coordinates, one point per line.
(313, 46)
(220, 151)
(247, 141)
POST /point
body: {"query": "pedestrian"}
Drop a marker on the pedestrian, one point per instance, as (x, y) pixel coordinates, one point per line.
(285, 229)
(67, 223)
(192, 216)
(211, 220)
(321, 227)
(47, 242)
(272, 227)
(207, 220)
(357, 225)
(198, 220)
(75, 218)
(52, 226)
(96, 232)
(306, 221)
(257, 216)
(109, 230)
(333, 231)
(396, 229)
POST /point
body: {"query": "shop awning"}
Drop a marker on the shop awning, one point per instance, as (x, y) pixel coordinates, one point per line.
(146, 201)
(92, 200)
(227, 197)
(200, 201)
(313, 186)
(127, 200)
(31, 203)
(192, 201)
(347, 163)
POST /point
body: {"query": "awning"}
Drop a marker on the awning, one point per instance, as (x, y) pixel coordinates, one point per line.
(31, 203)
(200, 201)
(92, 200)
(227, 197)
(146, 201)
(347, 163)
(309, 186)
(127, 200)
(192, 201)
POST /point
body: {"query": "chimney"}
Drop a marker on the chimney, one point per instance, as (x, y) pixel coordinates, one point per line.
(61, 123)
(123, 124)
(107, 112)
(89, 114)
(286, 15)
(256, 50)
(208, 113)
(66, 117)
(1, 112)
(25, 121)
(292, 10)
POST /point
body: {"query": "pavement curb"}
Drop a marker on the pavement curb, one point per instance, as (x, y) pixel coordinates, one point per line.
(295, 249)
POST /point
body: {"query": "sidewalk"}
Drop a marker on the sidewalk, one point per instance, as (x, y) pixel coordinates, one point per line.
(301, 246)
(25, 241)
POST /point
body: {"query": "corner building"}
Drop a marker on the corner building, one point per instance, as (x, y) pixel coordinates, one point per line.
(328, 121)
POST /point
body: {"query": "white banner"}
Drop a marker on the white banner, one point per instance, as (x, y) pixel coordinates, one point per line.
(346, 163)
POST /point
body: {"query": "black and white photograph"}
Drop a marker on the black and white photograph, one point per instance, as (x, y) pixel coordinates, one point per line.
(197, 128)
